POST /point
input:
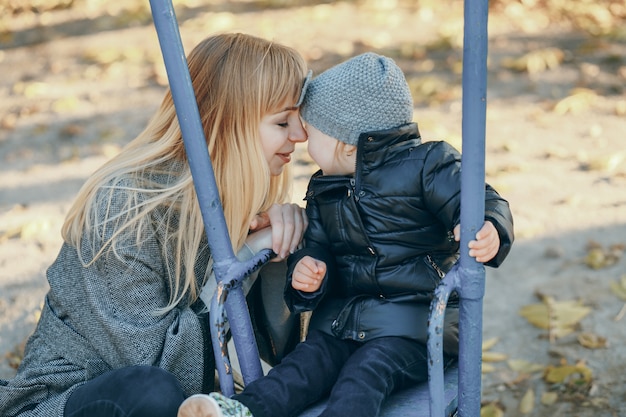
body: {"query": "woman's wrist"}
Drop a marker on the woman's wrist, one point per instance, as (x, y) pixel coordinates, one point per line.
(259, 240)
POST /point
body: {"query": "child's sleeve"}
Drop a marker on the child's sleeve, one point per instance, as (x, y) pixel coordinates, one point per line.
(441, 185)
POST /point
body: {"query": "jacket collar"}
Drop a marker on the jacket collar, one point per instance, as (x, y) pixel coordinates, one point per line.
(374, 148)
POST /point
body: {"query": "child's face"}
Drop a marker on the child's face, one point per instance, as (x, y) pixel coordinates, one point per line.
(323, 150)
(279, 133)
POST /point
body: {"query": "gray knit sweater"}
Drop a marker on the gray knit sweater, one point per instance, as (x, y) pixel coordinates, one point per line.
(101, 317)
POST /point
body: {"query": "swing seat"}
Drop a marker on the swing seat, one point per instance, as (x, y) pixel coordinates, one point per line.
(412, 401)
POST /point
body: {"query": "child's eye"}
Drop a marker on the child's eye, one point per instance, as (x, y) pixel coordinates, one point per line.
(283, 124)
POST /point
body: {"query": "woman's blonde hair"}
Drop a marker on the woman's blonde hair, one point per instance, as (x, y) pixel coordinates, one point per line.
(237, 79)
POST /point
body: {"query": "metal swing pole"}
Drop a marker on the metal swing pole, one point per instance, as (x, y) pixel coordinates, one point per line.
(229, 271)
(472, 285)
(467, 277)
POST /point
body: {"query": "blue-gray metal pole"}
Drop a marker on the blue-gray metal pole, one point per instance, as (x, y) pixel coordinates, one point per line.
(472, 282)
(191, 127)
(225, 264)
(436, 384)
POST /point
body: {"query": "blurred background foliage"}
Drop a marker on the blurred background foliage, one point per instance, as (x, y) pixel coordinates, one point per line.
(533, 38)
(30, 22)
(597, 17)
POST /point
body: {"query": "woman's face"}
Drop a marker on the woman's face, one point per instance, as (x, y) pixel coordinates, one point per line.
(279, 134)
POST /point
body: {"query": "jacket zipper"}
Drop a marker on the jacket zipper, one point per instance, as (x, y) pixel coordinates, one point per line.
(435, 267)
(352, 190)
(356, 181)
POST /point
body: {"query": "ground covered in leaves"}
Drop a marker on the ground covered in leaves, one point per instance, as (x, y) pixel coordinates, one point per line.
(81, 77)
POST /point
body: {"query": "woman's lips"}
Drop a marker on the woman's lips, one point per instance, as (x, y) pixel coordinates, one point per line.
(286, 157)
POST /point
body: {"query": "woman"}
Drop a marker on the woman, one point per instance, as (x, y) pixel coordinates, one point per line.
(121, 332)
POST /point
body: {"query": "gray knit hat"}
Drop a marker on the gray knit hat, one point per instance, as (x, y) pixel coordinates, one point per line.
(363, 94)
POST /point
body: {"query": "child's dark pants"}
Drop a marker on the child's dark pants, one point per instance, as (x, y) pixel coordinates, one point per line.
(360, 375)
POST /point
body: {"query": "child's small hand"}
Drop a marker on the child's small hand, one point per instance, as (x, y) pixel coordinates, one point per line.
(308, 274)
(486, 245)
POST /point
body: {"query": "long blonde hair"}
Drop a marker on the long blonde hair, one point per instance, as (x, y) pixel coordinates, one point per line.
(237, 80)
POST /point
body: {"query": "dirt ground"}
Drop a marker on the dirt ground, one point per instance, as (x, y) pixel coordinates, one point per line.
(77, 83)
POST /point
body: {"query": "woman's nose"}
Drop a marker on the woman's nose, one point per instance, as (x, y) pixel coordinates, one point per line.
(298, 134)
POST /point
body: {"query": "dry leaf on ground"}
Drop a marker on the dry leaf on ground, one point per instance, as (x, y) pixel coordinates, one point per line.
(571, 375)
(580, 99)
(536, 61)
(592, 341)
(491, 410)
(524, 366)
(558, 317)
(527, 404)
(619, 287)
(599, 257)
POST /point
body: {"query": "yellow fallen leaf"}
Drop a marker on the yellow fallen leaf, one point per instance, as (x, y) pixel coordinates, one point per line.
(592, 341)
(494, 357)
(598, 257)
(491, 410)
(536, 61)
(11, 233)
(35, 89)
(34, 229)
(489, 343)
(15, 356)
(487, 368)
(521, 365)
(103, 56)
(619, 287)
(569, 313)
(621, 313)
(595, 258)
(607, 162)
(65, 104)
(549, 398)
(26, 231)
(527, 404)
(580, 99)
(571, 374)
(558, 317)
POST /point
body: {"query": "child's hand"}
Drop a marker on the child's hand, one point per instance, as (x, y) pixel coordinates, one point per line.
(308, 274)
(486, 245)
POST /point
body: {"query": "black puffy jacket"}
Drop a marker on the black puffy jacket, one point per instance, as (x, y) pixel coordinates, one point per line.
(386, 237)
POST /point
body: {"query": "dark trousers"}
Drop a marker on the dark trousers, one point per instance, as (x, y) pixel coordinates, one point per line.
(358, 376)
(135, 391)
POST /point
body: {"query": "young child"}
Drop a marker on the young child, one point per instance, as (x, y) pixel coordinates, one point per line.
(383, 230)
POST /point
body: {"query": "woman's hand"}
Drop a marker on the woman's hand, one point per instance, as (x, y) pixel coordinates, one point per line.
(486, 245)
(308, 274)
(288, 223)
(257, 241)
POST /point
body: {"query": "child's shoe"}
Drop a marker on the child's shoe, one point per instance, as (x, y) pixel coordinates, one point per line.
(229, 406)
(212, 405)
(199, 405)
